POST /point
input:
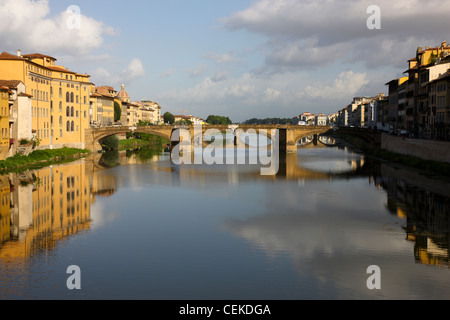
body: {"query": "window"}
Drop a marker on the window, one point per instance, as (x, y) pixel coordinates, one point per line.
(72, 127)
(67, 97)
(68, 126)
(71, 97)
(60, 121)
(72, 112)
(68, 111)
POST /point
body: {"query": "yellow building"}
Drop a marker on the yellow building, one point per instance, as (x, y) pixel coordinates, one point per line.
(4, 122)
(60, 98)
(95, 109)
(107, 96)
(430, 55)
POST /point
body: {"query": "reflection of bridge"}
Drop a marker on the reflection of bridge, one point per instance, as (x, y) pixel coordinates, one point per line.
(289, 136)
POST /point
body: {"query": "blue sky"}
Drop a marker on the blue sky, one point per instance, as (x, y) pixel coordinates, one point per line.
(242, 59)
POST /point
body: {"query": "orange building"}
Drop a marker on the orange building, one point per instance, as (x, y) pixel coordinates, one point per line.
(60, 98)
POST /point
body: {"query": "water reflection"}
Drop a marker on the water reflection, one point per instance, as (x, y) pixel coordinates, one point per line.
(44, 207)
(426, 211)
(330, 211)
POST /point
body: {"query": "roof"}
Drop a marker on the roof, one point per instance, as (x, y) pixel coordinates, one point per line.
(60, 69)
(105, 91)
(123, 93)
(182, 117)
(9, 56)
(23, 94)
(10, 83)
(37, 55)
(443, 76)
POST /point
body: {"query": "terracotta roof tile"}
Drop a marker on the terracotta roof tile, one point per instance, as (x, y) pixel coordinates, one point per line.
(37, 55)
(10, 83)
(9, 56)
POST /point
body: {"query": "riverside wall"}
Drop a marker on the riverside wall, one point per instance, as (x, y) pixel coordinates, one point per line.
(424, 149)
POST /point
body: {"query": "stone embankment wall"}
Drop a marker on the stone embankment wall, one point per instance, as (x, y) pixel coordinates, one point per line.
(424, 149)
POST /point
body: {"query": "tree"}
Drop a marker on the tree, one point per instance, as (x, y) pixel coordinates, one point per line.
(212, 119)
(184, 122)
(110, 143)
(169, 118)
(117, 111)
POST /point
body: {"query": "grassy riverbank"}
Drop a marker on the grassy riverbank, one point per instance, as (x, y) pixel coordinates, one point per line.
(138, 140)
(430, 166)
(129, 144)
(41, 158)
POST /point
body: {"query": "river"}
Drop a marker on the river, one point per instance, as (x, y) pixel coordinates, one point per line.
(141, 227)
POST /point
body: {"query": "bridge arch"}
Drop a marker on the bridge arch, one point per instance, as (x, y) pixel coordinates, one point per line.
(302, 135)
(94, 136)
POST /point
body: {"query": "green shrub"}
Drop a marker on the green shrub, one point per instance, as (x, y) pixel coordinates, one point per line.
(110, 143)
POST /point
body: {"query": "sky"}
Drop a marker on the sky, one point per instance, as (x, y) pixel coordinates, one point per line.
(237, 58)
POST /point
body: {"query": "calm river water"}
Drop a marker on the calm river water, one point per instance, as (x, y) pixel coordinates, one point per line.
(149, 229)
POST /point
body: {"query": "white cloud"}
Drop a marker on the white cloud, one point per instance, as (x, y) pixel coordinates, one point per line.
(197, 71)
(220, 58)
(134, 70)
(27, 25)
(346, 85)
(220, 76)
(167, 74)
(277, 95)
(316, 33)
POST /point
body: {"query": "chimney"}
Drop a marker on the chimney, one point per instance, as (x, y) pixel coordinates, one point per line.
(19, 54)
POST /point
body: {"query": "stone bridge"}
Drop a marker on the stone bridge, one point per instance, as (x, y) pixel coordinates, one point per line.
(371, 137)
(289, 135)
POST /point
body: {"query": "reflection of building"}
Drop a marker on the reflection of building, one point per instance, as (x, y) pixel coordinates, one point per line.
(46, 207)
(5, 214)
(102, 185)
(426, 215)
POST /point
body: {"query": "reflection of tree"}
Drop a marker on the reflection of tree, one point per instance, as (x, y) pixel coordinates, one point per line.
(146, 153)
(110, 159)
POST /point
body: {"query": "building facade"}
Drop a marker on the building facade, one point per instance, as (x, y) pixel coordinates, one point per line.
(59, 98)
